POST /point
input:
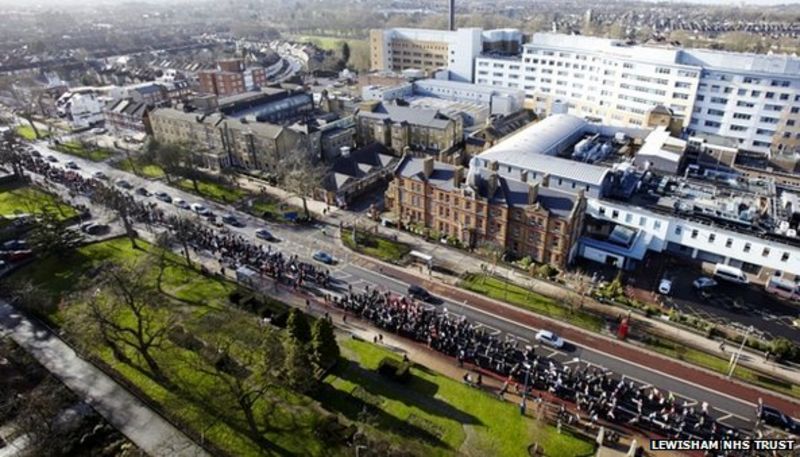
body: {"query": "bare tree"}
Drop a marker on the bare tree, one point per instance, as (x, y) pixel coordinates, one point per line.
(10, 153)
(492, 250)
(127, 312)
(51, 235)
(183, 231)
(302, 176)
(120, 204)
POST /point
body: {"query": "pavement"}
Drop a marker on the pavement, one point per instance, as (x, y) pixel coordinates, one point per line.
(144, 427)
(732, 402)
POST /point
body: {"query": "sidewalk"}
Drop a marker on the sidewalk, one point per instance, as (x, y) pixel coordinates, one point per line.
(461, 262)
(148, 430)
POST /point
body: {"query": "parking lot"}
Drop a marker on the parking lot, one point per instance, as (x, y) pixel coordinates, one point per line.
(734, 305)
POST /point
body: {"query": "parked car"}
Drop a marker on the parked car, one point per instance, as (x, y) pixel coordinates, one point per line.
(95, 229)
(143, 192)
(776, 418)
(163, 196)
(703, 282)
(199, 209)
(322, 256)
(14, 245)
(99, 175)
(264, 234)
(549, 338)
(180, 203)
(35, 153)
(72, 165)
(232, 220)
(665, 286)
(99, 131)
(51, 158)
(124, 184)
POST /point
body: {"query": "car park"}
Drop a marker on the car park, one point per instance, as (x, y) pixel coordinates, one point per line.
(665, 286)
(143, 192)
(163, 196)
(703, 282)
(180, 203)
(199, 209)
(324, 257)
(549, 338)
(264, 234)
(124, 184)
(99, 175)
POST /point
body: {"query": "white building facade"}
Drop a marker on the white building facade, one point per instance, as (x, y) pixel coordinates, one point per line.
(753, 98)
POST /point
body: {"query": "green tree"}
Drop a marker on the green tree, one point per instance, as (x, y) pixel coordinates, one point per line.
(324, 347)
(297, 367)
(297, 325)
(345, 52)
(51, 236)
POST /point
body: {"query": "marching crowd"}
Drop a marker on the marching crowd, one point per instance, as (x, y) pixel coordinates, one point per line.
(597, 394)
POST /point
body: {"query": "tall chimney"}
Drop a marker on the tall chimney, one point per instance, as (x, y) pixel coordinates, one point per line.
(451, 22)
(491, 185)
(533, 193)
(427, 166)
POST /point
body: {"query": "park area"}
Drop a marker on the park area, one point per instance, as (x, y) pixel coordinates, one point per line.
(215, 190)
(17, 199)
(139, 167)
(434, 415)
(27, 132)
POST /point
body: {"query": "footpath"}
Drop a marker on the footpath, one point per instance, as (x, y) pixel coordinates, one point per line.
(146, 428)
(460, 262)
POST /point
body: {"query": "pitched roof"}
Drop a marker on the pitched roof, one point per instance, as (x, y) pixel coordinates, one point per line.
(415, 116)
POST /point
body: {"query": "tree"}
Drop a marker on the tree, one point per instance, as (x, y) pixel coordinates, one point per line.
(302, 176)
(51, 235)
(324, 347)
(183, 230)
(120, 204)
(24, 294)
(169, 156)
(37, 418)
(493, 251)
(297, 326)
(9, 153)
(297, 366)
(345, 53)
(125, 312)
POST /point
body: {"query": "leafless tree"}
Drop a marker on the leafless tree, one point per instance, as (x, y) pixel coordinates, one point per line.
(121, 205)
(303, 176)
(182, 230)
(10, 153)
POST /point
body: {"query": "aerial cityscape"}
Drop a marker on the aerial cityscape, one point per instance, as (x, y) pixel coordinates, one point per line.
(400, 228)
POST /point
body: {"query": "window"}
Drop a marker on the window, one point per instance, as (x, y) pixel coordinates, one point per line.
(678, 230)
(745, 117)
(785, 257)
(656, 225)
(614, 214)
(662, 70)
(747, 247)
(694, 233)
(628, 218)
(711, 238)
(642, 221)
(765, 252)
(602, 211)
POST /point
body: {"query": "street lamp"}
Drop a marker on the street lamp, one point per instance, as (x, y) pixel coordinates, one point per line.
(525, 390)
(735, 357)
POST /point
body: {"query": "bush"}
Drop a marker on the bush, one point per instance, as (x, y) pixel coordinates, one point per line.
(546, 271)
(783, 349)
(395, 370)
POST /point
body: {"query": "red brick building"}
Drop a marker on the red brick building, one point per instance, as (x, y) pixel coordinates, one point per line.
(230, 78)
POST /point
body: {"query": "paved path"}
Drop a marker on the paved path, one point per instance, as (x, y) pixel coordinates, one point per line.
(120, 408)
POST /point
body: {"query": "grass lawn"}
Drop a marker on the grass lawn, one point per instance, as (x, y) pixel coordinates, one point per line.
(197, 399)
(30, 200)
(222, 193)
(504, 290)
(26, 131)
(91, 153)
(142, 168)
(720, 365)
(270, 209)
(436, 415)
(376, 246)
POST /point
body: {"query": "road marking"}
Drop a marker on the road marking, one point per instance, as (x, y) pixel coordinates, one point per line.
(552, 353)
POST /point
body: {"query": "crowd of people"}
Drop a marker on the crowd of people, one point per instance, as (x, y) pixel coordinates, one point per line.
(597, 394)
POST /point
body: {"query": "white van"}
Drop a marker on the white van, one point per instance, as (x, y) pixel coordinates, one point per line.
(729, 273)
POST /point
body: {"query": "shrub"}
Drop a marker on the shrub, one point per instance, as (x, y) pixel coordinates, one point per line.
(395, 370)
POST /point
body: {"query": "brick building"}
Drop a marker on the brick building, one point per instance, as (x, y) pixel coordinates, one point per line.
(526, 218)
(230, 78)
(398, 127)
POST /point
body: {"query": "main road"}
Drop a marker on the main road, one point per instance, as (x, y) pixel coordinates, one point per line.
(303, 241)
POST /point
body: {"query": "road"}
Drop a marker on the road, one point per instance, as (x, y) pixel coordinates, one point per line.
(120, 408)
(303, 241)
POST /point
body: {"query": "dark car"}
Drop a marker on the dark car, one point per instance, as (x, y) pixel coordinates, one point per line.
(775, 418)
(124, 184)
(419, 293)
(232, 220)
(14, 245)
(52, 158)
(324, 257)
(264, 234)
(163, 196)
(143, 192)
(95, 229)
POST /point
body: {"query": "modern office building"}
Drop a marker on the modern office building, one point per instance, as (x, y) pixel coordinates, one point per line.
(752, 98)
(399, 49)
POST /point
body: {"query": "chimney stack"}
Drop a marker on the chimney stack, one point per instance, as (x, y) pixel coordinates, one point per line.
(458, 176)
(491, 185)
(546, 180)
(451, 19)
(523, 175)
(533, 193)
(427, 166)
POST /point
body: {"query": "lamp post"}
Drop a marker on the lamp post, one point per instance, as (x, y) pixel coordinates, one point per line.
(525, 390)
(735, 358)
